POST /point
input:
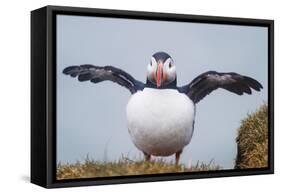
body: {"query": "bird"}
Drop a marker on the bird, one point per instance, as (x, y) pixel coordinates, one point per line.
(161, 115)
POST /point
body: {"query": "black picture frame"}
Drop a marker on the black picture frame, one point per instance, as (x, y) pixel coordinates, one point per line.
(43, 95)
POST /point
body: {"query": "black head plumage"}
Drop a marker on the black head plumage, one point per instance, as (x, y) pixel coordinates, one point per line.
(161, 56)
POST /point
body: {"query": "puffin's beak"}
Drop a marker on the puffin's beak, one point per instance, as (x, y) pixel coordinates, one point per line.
(159, 74)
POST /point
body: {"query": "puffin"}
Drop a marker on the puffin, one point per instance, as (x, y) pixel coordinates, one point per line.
(160, 114)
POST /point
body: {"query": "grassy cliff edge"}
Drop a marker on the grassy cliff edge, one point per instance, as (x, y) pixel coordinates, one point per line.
(252, 140)
(91, 168)
(252, 152)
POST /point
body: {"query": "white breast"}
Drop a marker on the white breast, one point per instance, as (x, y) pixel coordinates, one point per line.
(160, 122)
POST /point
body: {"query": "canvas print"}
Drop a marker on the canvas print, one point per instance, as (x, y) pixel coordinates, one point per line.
(138, 97)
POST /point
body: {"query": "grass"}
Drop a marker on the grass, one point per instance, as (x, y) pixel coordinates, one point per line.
(252, 152)
(90, 168)
(252, 140)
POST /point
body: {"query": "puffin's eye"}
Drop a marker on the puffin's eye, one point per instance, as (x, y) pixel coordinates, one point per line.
(170, 65)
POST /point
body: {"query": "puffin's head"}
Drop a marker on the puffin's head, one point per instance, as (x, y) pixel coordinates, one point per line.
(161, 70)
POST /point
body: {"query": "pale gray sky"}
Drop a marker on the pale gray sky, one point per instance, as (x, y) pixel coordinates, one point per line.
(91, 118)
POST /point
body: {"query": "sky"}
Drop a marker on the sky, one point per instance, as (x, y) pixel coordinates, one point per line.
(91, 118)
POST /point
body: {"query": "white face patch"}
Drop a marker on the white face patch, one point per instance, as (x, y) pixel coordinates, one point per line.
(169, 71)
(151, 69)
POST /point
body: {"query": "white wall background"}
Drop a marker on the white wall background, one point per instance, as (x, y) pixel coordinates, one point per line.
(15, 94)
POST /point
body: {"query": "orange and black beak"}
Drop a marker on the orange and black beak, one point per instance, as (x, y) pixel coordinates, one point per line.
(159, 75)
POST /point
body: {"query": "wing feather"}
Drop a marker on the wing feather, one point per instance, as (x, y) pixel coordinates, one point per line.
(96, 74)
(209, 81)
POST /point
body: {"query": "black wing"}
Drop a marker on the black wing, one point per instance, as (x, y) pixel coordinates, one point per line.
(98, 74)
(209, 81)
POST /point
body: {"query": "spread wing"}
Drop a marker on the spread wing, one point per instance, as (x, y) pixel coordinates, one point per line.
(98, 74)
(209, 81)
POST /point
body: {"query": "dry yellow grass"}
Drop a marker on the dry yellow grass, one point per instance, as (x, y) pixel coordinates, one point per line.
(91, 169)
(252, 140)
(252, 145)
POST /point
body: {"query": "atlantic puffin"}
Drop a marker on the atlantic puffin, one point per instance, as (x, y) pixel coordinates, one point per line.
(160, 114)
